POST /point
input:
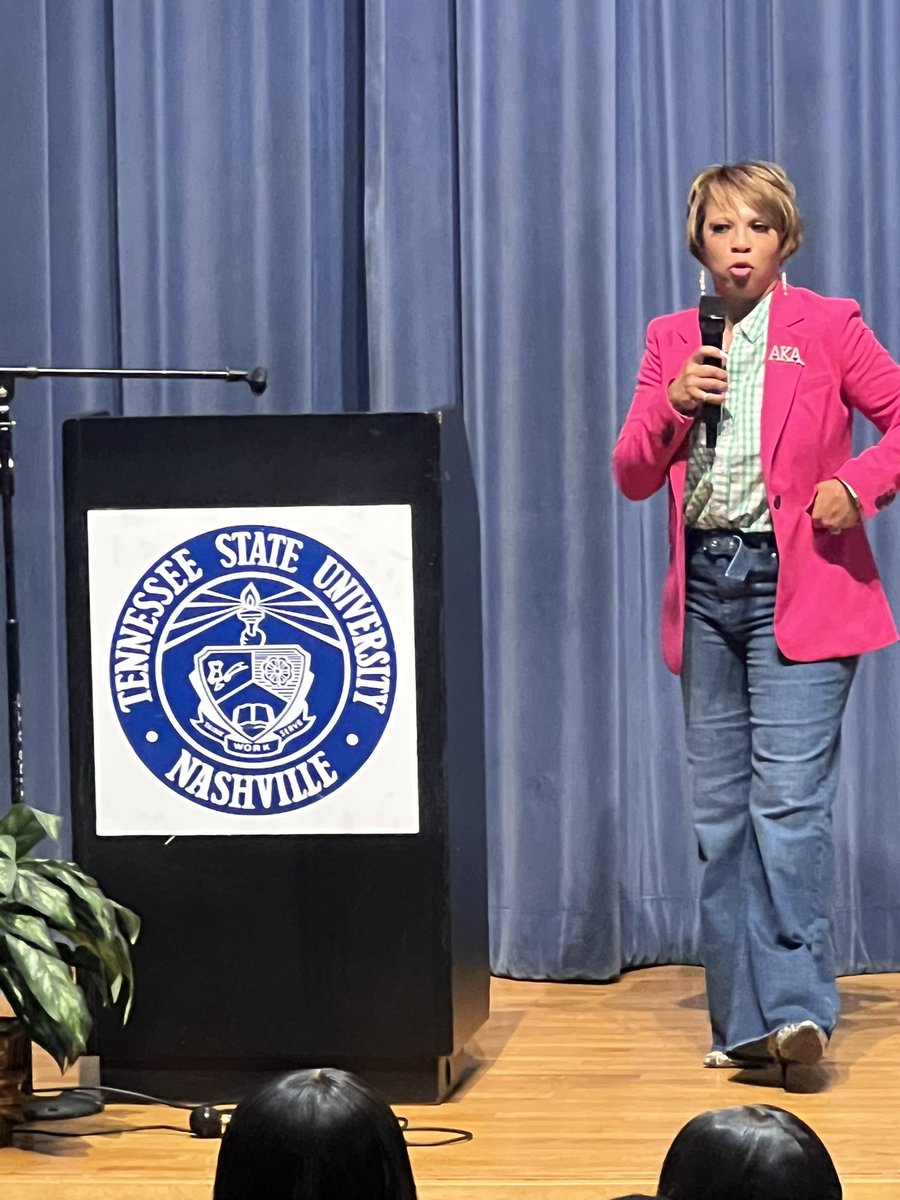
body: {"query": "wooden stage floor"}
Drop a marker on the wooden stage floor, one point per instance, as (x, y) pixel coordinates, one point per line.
(575, 1092)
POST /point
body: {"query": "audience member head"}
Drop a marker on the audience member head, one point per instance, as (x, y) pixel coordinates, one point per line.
(314, 1135)
(756, 1152)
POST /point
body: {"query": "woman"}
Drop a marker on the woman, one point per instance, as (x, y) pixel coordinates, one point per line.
(772, 594)
(314, 1135)
(752, 1153)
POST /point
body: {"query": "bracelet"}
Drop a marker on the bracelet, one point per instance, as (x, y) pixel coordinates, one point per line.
(850, 492)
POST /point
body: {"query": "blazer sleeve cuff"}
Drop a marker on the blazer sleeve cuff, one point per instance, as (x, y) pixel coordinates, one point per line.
(673, 425)
(853, 476)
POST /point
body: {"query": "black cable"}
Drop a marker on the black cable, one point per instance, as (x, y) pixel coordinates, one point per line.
(459, 1135)
(227, 1106)
(23, 1129)
(223, 1105)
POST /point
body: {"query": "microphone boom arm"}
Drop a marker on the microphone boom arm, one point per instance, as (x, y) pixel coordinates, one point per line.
(256, 380)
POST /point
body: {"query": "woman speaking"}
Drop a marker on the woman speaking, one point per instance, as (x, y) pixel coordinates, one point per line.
(771, 595)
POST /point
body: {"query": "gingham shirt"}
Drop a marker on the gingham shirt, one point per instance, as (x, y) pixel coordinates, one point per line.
(724, 487)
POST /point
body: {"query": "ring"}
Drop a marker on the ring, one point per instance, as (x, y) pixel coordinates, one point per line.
(835, 532)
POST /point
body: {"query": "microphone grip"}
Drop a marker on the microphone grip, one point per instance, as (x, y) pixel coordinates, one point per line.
(709, 415)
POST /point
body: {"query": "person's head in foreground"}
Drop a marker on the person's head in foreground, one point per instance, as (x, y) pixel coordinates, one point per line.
(314, 1135)
(756, 1152)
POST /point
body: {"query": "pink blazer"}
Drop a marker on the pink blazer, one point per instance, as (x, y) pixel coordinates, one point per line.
(822, 361)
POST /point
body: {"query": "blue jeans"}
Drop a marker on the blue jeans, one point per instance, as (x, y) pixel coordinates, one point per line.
(763, 742)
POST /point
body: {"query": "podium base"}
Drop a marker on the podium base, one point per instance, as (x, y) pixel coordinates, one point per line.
(425, 1080)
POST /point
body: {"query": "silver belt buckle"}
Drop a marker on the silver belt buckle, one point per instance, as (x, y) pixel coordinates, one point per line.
(739, 567)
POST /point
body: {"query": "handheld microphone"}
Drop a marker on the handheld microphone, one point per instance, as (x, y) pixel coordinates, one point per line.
(712, 329)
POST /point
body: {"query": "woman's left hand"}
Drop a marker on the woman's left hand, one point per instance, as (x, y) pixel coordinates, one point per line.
(833, 507)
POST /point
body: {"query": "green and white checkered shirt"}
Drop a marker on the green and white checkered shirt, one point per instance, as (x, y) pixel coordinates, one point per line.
(724, 488)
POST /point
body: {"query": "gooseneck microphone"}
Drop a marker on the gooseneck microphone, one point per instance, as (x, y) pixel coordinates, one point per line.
(712, 329)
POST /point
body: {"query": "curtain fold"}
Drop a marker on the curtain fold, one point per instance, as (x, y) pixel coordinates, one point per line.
(409, 205)
(237, 238)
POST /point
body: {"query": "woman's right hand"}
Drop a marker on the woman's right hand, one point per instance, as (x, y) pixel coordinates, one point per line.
(698, 383)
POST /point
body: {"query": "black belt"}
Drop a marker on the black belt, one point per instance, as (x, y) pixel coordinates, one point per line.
(725, 542)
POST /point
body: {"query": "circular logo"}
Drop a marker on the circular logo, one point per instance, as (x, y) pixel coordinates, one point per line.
(253, 670)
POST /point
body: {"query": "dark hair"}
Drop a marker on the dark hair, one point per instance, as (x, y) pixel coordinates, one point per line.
(756, 1152)
(314, 1135)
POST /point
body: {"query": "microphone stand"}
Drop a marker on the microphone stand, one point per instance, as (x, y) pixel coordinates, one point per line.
(256, 379)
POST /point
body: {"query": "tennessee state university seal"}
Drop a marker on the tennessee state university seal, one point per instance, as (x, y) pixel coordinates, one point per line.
(252, 670)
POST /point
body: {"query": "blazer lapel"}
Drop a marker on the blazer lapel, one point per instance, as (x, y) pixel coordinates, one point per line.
(785, 359)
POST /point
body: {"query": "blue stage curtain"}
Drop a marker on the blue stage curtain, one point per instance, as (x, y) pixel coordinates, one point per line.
(581, 126)
(57, 248)
(392, 204)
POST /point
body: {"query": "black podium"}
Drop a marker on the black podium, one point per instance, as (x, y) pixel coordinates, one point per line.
(282, 946)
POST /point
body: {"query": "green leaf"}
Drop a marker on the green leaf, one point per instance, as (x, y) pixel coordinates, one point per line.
(97, 927)
(7, 847)
(84, 959)
(92, 910)
(115, 964)
(30, 929)
(129, 922)
(10, 988)
(72, 868)
(56, 1040)
(8, 872)
(88, 956)
(28, 826)
(34, 894)
(58, 872)
(52, 1005)
(48, 978)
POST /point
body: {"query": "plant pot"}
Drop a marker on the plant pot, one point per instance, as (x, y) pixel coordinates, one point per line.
(15, 1074)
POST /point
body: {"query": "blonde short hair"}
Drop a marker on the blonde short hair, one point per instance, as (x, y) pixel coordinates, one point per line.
(763, 185)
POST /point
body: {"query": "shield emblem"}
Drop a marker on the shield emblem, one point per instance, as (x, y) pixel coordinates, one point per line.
(252, 698)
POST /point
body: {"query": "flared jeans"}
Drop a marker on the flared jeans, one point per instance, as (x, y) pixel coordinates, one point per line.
(763, 744)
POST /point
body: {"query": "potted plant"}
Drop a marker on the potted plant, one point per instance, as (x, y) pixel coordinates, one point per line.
(54, 922)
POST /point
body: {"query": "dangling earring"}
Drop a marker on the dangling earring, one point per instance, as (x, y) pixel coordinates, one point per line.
(784, 282)
(702, 281)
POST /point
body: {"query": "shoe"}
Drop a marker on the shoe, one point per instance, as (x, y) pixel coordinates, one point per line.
(736, 1061)
(718, 1058)
(802, 1042)
(799, 1048)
